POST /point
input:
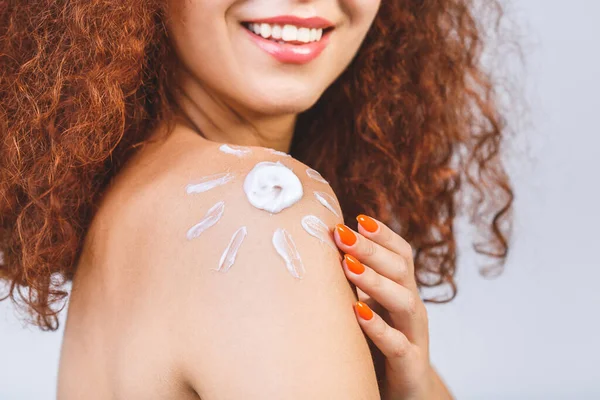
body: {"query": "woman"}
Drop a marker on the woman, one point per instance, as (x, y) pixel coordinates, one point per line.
(144, 157)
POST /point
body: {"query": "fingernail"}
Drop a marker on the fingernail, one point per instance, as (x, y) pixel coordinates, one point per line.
(367, 222)
(346, 235)
(363, 310)
(354, 265)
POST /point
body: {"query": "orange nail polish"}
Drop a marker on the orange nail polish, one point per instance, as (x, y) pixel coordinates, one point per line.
(363, 310)
(346, 235)
(354, 265)
(367, 222)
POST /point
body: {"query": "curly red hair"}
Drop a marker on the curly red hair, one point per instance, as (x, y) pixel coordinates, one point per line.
(82, 83)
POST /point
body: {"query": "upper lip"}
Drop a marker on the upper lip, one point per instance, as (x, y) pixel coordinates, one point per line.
(312, 22)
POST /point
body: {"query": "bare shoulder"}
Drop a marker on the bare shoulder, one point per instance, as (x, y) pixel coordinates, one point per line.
(240, 239)
(211, 195)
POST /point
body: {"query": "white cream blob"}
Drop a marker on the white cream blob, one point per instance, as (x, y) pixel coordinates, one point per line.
(209, 182)
(327, 200)
(286, 248)
(228, 257)
(314, 174)
(211, 217)
(317, 228)
(272, 186)
(239, 151)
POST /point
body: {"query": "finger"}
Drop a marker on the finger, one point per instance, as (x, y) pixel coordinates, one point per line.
(380, 233)
(365, 298)
(401, 303)
(393, 344)
(382, 260)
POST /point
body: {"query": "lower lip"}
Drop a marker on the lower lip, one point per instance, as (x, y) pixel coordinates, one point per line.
(291, 53)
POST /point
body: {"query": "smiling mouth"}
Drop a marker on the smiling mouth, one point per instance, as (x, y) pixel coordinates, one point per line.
(287, 33)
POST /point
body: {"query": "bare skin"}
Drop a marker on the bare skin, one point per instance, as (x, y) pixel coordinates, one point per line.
(110, 349)
(147, 319)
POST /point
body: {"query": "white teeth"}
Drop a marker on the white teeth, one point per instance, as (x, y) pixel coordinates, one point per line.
(265, 30)
(276, 32)
(286, 33)
(289, 33)
(304, 35)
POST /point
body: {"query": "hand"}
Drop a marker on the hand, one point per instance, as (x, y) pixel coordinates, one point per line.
(399, 325)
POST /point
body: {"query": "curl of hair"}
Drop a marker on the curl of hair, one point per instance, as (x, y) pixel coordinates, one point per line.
(82, 83)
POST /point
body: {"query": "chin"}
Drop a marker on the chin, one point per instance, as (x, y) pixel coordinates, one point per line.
(289, 107)
(282, 105)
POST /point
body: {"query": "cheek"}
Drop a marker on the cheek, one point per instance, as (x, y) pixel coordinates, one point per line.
(362, 12)
(198, 34)
(195, 25)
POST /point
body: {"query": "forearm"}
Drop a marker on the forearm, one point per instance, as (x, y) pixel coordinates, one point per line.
(434, 388)
(440, 390)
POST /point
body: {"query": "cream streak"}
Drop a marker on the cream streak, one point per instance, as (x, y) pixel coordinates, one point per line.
(317, 228)
(228, 257)
(211, 217)
(286, 248)
(314, 174)
(277, 152)
(327, 200)
(239, 151)
(209, 182)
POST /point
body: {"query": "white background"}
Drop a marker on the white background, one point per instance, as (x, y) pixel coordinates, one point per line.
(533, 332)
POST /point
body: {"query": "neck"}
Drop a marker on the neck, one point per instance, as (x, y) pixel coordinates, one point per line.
(220, 121)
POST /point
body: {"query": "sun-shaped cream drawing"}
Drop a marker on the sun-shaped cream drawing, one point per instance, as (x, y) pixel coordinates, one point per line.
(272, 187)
